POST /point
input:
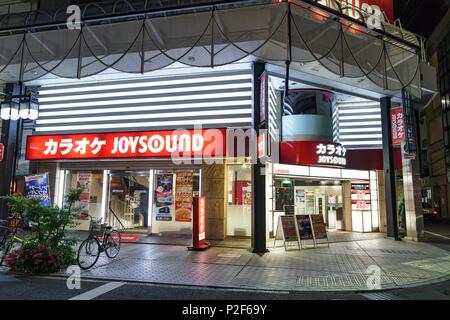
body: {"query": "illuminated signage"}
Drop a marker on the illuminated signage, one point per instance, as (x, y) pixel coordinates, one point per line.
(157, 144)
(398, 125)
(372, 12)
(313, 153)
(331, 154)
(2, 151)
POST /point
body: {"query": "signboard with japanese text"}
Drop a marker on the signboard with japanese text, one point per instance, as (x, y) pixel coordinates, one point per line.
(37, 186)
(183, 196)
(158, 144)
(199, 224)
(314, 153)
(398, 126)
(264, 96)
(2, 151)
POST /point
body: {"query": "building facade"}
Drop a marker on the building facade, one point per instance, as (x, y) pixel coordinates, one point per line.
(434, 128)
(146, 123)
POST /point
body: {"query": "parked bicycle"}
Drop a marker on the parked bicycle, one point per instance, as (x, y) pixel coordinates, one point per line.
(102, 237)
(9, 231)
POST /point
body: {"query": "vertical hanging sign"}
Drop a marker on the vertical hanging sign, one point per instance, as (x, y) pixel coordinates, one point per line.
(398, 126)
(199, 225)
(2, 149)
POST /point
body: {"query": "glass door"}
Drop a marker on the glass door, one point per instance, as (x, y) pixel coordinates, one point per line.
(128, 199)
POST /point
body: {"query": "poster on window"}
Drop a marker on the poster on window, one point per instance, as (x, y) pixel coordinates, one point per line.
(37, 187)
(243, 193)
(84, 179)
(183, 196)
(164, 197)
(310, 202)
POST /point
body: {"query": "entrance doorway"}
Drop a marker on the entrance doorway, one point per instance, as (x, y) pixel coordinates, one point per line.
(129, 199)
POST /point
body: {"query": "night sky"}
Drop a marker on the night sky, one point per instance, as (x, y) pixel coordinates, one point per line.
(420, 16)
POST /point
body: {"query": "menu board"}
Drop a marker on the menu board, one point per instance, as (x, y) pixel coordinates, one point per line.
(361, 196)
(287, 225)
(183, 196)
(164, 197)
(304, 227)
(320, 230)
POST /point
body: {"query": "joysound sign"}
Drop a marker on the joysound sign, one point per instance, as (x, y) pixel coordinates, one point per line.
(155, 144)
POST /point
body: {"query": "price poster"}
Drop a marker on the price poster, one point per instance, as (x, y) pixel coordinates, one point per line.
(184, 196)
(361, 196)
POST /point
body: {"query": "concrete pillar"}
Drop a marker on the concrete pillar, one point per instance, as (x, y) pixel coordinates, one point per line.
(381, 201)
(214, 184)
(412, 194)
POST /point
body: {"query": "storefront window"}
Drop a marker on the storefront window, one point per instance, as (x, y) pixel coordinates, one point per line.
(91, 198)
(239, 202)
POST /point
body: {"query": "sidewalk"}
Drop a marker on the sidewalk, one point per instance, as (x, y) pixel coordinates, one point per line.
(342, 266)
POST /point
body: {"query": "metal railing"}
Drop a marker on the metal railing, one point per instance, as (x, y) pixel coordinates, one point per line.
(113, 219)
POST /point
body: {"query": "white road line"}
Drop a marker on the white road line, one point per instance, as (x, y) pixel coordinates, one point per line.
(89, 295)
(437, 235)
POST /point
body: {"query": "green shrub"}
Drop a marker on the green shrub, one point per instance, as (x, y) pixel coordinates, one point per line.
(47, 236)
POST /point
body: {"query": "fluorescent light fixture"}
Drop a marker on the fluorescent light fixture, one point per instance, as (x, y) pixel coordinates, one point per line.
(146, 92)
(357, 104)
(150, 197)
(145, 116)
(145, 83)
(247, 103)
(104, 193)
(361, 117)
(61, 182)
(145, 124)
(353, 111)
(358, 143)
(359, 136)
(360, 124)
(358, 130)
(167, 98)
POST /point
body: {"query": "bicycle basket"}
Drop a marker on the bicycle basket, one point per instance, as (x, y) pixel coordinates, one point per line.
(97, 228)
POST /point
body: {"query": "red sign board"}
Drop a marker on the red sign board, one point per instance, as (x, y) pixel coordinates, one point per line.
(264, 93)
(199, 225)
(2, 151)
(261, 146)
(398, 125)
(151, 144)
(355, 8)
(314, 153)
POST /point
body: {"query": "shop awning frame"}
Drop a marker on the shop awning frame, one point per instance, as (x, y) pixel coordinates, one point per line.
(211, 36)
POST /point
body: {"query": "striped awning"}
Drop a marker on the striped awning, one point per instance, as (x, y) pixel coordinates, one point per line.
(212, 36)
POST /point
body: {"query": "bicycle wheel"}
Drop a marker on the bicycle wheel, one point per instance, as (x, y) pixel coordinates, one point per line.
(88, 253)
(4, 243)
(113, 244)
